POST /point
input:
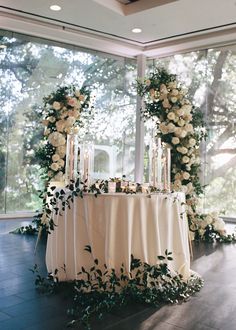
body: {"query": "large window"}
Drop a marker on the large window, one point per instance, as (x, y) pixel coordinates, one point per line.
(29, 70)
(210, 76)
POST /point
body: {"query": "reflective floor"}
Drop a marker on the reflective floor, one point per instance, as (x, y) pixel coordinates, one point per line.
(21, 307)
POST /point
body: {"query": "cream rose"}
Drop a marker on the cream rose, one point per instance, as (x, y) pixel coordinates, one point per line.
(56, 105)
(56, 139)
(175, 140)
(186, 175)
(185, 159)
(69, 121)
(61, 162)
(51, 119)
(173, 99)
(54, 166)
(189, 128)
(192, 142)
(61, 151)
(171, 127)
(172, 84)
(181, 122)
(171, 115)
(55, 157)
(60, 125)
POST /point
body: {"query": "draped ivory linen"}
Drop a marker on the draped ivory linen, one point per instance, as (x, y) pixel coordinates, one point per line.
(116, 226)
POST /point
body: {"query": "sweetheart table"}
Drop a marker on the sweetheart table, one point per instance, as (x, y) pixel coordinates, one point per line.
(116, 226)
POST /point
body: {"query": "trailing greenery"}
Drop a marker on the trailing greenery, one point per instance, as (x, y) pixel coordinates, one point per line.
(99, 290)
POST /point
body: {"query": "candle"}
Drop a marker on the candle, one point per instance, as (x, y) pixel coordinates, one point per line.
(111, 187)
(86, 166)
(159, 166)
(168, 165)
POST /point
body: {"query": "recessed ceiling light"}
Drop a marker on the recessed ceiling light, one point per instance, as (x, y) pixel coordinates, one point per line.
(55, 7)
(136, 30)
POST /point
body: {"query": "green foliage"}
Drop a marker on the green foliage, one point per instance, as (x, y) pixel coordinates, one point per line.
(99, 290)
(25, 230)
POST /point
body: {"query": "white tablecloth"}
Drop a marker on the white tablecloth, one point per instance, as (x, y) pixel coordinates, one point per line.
(116, 226)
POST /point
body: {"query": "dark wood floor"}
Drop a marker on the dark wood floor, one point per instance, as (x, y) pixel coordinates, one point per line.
(21, 307)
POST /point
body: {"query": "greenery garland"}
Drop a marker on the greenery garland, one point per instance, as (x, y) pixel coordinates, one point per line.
(99, 290)
(181, 126)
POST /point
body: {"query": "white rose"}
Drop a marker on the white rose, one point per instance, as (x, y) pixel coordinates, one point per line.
(183, 133)
(189, 128)
(60, 125)
(188, 117)
(59, 176)
(163, 128)
(56, 105)
(171, 116)
(184, 189)
(219, 224)
(181, 122)
(188, 167)
(61, 162)
(182, 150)
(75, 130)
(56, 139)
(61, 151)
(51, 119)
(70, 122)
(175, 140)
(171, 127)
(208, 219)
(192, 142)
(186, 175)
(55, 157)
(177, 176)
(180, 112)
(54, 166)
(177, 184)
(185, 159)
(178, 131)
(173, 99)
(214, 214)
(172, 84)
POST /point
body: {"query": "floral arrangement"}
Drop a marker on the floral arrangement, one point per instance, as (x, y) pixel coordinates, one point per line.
(61, 115)
(181, 126)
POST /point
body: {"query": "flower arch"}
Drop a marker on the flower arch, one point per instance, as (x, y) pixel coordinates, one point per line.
(180, 124)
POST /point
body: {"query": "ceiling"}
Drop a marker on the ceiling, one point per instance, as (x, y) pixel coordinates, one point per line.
(177, 18)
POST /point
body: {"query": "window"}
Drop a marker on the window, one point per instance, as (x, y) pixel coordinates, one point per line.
(210, 76)
(30, 68)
